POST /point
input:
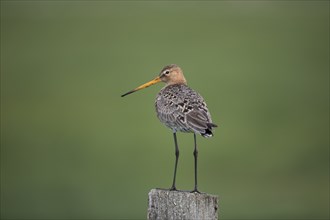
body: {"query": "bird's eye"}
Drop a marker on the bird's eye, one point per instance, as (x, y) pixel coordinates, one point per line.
(166, 72)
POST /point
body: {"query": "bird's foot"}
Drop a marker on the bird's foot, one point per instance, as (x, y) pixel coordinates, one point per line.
(173, 188)
(195, 191)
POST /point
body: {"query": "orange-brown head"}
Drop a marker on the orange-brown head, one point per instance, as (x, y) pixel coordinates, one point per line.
(170, 74)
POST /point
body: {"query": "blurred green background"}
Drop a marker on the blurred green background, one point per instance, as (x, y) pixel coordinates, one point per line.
(72, 148)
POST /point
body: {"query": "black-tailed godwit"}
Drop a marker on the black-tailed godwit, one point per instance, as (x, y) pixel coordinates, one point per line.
(181, 109)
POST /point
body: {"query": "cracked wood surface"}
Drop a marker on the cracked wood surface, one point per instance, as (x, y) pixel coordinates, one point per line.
(166, 204)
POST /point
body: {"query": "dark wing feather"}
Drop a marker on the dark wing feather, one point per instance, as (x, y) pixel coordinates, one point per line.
(182, 109)
(196, 120)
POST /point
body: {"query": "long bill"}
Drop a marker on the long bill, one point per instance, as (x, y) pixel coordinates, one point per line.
(150, 83)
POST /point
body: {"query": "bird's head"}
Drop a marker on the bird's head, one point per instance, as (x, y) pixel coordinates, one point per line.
(170, 74)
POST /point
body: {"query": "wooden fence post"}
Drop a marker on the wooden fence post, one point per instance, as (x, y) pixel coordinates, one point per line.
(165, 204)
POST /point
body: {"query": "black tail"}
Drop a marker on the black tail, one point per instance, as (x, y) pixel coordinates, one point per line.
(208, 131)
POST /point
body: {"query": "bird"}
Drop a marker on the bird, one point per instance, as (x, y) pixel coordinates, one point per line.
(181, 109)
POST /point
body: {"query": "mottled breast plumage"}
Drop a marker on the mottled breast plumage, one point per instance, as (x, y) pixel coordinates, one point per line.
(182, 109)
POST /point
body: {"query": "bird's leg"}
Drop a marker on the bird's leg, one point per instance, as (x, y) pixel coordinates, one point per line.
(195, 156)
(176, 160)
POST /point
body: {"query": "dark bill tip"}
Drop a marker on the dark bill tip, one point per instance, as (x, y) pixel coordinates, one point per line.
(127, 93)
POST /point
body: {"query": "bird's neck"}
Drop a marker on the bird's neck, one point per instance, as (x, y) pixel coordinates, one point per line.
(177, 83)
(179, 79)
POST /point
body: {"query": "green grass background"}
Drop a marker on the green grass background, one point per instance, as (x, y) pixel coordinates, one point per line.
(72, 148)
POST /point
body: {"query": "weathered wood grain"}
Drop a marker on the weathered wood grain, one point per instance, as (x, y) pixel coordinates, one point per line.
(165, 204)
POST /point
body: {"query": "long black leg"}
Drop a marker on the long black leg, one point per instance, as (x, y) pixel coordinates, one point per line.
(176, 160)
(195, 157)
